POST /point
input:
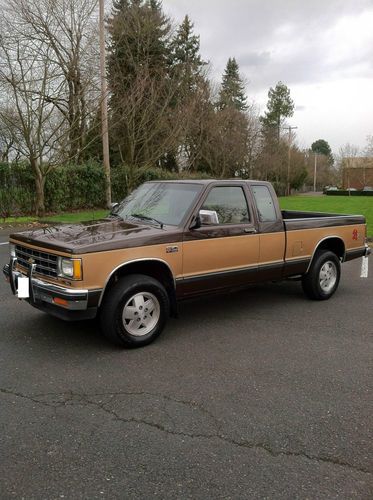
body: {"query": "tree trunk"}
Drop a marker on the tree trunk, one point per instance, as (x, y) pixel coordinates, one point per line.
(39, 185)
(278, 129)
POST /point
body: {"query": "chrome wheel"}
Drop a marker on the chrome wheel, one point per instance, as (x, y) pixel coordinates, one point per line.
(328, 276)
(141, 314)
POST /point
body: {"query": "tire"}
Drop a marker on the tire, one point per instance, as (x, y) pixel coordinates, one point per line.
(124, 315)
(322, 280)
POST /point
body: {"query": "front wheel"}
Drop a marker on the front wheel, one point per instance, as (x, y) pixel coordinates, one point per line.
(135, 311)
(322, 279)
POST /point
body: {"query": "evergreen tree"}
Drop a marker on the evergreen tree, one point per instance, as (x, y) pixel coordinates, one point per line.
(139, 33)
(232, 92)
(322, 147)
(138, 75)
(185, 56)
(279, 106)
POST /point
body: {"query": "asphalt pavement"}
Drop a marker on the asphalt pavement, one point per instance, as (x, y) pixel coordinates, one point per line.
(256, 394)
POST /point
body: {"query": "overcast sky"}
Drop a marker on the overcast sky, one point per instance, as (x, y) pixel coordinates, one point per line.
(323, 50)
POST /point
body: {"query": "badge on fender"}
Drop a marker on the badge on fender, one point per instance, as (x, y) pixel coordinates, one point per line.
(172, 249)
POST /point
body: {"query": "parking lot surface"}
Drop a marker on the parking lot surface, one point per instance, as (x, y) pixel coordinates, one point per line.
(255, 394)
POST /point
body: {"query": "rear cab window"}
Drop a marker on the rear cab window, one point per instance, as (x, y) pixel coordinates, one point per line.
(264, 203)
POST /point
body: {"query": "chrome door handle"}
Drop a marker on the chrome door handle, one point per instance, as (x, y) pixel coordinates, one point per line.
(250, 230)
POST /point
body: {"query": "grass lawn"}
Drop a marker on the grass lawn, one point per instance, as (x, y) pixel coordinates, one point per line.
(355, 205)
(77, 216)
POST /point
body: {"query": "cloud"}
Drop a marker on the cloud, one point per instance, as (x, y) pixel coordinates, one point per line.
(254, 59)
(323, 50)
(291, 40)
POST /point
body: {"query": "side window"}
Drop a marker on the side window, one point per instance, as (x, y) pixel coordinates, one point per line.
(264, 203)
(226, 205)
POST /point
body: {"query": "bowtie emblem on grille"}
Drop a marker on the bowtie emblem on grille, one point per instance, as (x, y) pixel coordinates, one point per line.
(31, 261)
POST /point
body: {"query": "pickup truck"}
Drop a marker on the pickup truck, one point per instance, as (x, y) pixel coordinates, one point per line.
(170, 240)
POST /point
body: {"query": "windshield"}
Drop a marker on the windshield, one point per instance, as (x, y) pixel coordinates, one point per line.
(164, 202)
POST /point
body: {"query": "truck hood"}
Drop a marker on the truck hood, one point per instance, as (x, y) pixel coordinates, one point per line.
(97, 236)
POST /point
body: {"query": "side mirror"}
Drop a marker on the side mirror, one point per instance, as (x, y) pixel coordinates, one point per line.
(208, 217)
(205, 218)
(113, 207)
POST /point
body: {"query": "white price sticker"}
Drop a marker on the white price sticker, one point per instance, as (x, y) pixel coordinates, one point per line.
(23, 288)
(364, 267)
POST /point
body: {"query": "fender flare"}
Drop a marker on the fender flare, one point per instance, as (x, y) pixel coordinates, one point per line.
(322, 241)
(134, 261)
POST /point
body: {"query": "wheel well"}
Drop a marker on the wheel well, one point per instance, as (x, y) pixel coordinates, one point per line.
(153, 268)
(335, 245)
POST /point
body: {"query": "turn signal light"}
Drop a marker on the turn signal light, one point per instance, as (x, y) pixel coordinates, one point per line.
(60, 302)
(77, 269)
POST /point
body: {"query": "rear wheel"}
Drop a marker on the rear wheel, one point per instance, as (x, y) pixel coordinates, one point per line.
(134, 311)
(322, 279)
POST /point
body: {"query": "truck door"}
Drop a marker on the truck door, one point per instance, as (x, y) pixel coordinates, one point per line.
(224, 251)
(272, 232)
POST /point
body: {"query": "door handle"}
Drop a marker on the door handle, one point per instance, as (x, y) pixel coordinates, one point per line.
(250, 230)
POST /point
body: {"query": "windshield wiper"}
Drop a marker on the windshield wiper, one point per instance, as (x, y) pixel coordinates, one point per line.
(150, 219)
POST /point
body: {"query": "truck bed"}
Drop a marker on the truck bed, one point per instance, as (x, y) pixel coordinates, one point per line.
(294, 219)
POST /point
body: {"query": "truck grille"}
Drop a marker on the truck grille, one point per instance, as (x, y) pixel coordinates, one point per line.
(46, 263)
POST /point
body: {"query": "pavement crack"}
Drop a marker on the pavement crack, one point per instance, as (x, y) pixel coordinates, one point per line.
(24, 396)
(72, 399)
(242, 444)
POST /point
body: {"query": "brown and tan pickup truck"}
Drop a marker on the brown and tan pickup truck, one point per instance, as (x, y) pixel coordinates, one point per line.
(172, 240)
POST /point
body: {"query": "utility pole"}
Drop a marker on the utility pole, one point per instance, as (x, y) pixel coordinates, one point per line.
(315, 173)
(104, 106)
(289, 129)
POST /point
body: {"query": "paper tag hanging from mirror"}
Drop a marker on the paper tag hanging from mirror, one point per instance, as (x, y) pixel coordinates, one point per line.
(364, 267)
(23, 288)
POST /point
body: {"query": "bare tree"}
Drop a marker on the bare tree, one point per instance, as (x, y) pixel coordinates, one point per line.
(149, 125)
(9, 133)
(67, 30)
(225, 144)
(254, 138)
(368, 150)
(27, 77)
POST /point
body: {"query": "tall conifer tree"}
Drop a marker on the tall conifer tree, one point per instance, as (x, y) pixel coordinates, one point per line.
(280, 106)
(138, 69)
(232, 92)
(186, 60)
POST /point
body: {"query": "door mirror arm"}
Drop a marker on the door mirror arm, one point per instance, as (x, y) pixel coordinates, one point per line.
(196, 223)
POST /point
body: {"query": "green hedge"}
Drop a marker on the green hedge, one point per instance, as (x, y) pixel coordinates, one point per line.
(16, 190)
(349, 193)
(75, 187)
(72, 187)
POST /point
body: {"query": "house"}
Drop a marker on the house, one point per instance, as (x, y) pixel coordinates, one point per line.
(357, 172)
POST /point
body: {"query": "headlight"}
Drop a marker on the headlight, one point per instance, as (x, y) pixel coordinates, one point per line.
(12, 249)
(70, 268)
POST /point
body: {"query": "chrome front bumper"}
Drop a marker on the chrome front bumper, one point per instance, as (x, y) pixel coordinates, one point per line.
(55, 299)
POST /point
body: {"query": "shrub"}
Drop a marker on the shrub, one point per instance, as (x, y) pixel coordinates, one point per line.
(342, 192)
(16, 190)
(74, 187)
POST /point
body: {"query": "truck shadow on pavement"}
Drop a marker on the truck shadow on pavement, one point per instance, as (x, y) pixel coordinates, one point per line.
(266, 300)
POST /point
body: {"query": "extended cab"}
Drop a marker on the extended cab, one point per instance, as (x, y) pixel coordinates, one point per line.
(172, 240)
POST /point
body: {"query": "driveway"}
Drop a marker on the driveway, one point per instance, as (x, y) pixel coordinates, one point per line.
(257, 394)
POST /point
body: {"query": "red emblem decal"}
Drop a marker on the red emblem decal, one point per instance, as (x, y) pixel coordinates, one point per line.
(354, 234)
